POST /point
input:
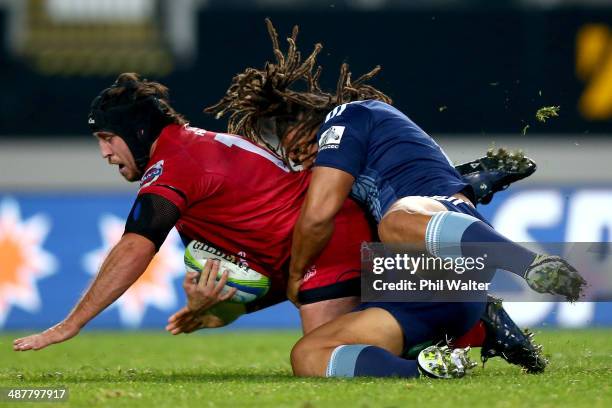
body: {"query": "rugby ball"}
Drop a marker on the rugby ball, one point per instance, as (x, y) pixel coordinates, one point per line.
(250, 284)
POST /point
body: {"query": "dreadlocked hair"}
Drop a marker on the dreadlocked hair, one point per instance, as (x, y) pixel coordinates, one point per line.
(130, 87)
(263, 101)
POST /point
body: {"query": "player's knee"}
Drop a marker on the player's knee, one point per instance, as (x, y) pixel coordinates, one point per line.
(301, 354)
(308, 358)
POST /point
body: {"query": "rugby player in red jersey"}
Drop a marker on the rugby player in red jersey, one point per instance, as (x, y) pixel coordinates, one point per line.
(265, 99)
(194, 179)
(213, 187)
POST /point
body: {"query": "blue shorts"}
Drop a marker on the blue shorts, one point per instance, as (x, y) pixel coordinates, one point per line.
(431, 321)
(435, 321)
(457, 205)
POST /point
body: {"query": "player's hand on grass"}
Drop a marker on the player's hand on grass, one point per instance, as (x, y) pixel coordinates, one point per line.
(56, 334)
(206, 292)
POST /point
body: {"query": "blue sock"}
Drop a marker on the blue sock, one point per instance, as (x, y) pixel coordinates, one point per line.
(361, 360)
(453, 235)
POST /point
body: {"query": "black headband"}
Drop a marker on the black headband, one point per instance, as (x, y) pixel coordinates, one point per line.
(139, 123)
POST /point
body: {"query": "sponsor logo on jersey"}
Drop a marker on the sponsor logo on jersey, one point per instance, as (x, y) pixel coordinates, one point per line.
(152, 174)
(242, 259)
(312, 271)
(23, 261)
(330, 139)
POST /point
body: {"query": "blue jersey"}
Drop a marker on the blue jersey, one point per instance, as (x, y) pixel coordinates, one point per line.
(388, 154)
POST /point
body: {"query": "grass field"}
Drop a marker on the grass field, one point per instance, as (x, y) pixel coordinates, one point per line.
(251, 369)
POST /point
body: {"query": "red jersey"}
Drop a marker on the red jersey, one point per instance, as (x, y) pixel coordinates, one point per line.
(230, 192)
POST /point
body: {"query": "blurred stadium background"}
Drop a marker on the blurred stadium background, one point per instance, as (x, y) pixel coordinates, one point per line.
(471, 73)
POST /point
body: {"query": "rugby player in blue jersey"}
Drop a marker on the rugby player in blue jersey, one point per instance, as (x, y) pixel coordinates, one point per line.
(373, 152)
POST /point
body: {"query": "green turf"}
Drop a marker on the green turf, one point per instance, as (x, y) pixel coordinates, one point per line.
(235, 369)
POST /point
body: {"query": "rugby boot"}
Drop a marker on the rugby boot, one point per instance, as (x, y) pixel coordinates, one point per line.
(552, 274)
(503, 338)
(495, 172)
(443, 362)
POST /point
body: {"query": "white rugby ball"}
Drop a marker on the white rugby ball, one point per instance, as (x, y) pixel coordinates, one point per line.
(250, 284)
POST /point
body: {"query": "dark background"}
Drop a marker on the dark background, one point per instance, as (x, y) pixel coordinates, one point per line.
(473, 70)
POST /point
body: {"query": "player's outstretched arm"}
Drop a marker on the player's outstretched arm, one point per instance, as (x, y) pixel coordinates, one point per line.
(122, 267)
(326, 194)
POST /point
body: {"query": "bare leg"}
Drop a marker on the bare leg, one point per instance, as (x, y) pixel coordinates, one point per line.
(406, 221)
(316, 314)
(373, 326)
(427, 224)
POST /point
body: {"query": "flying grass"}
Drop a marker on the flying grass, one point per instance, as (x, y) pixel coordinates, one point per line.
(251, 369)
(524, 131)
(547, 112)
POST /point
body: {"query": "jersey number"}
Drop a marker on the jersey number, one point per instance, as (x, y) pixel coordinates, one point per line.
(231, 140)
(337, 111)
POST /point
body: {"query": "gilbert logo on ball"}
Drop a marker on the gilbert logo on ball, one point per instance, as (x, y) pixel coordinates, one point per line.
(250, 284)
